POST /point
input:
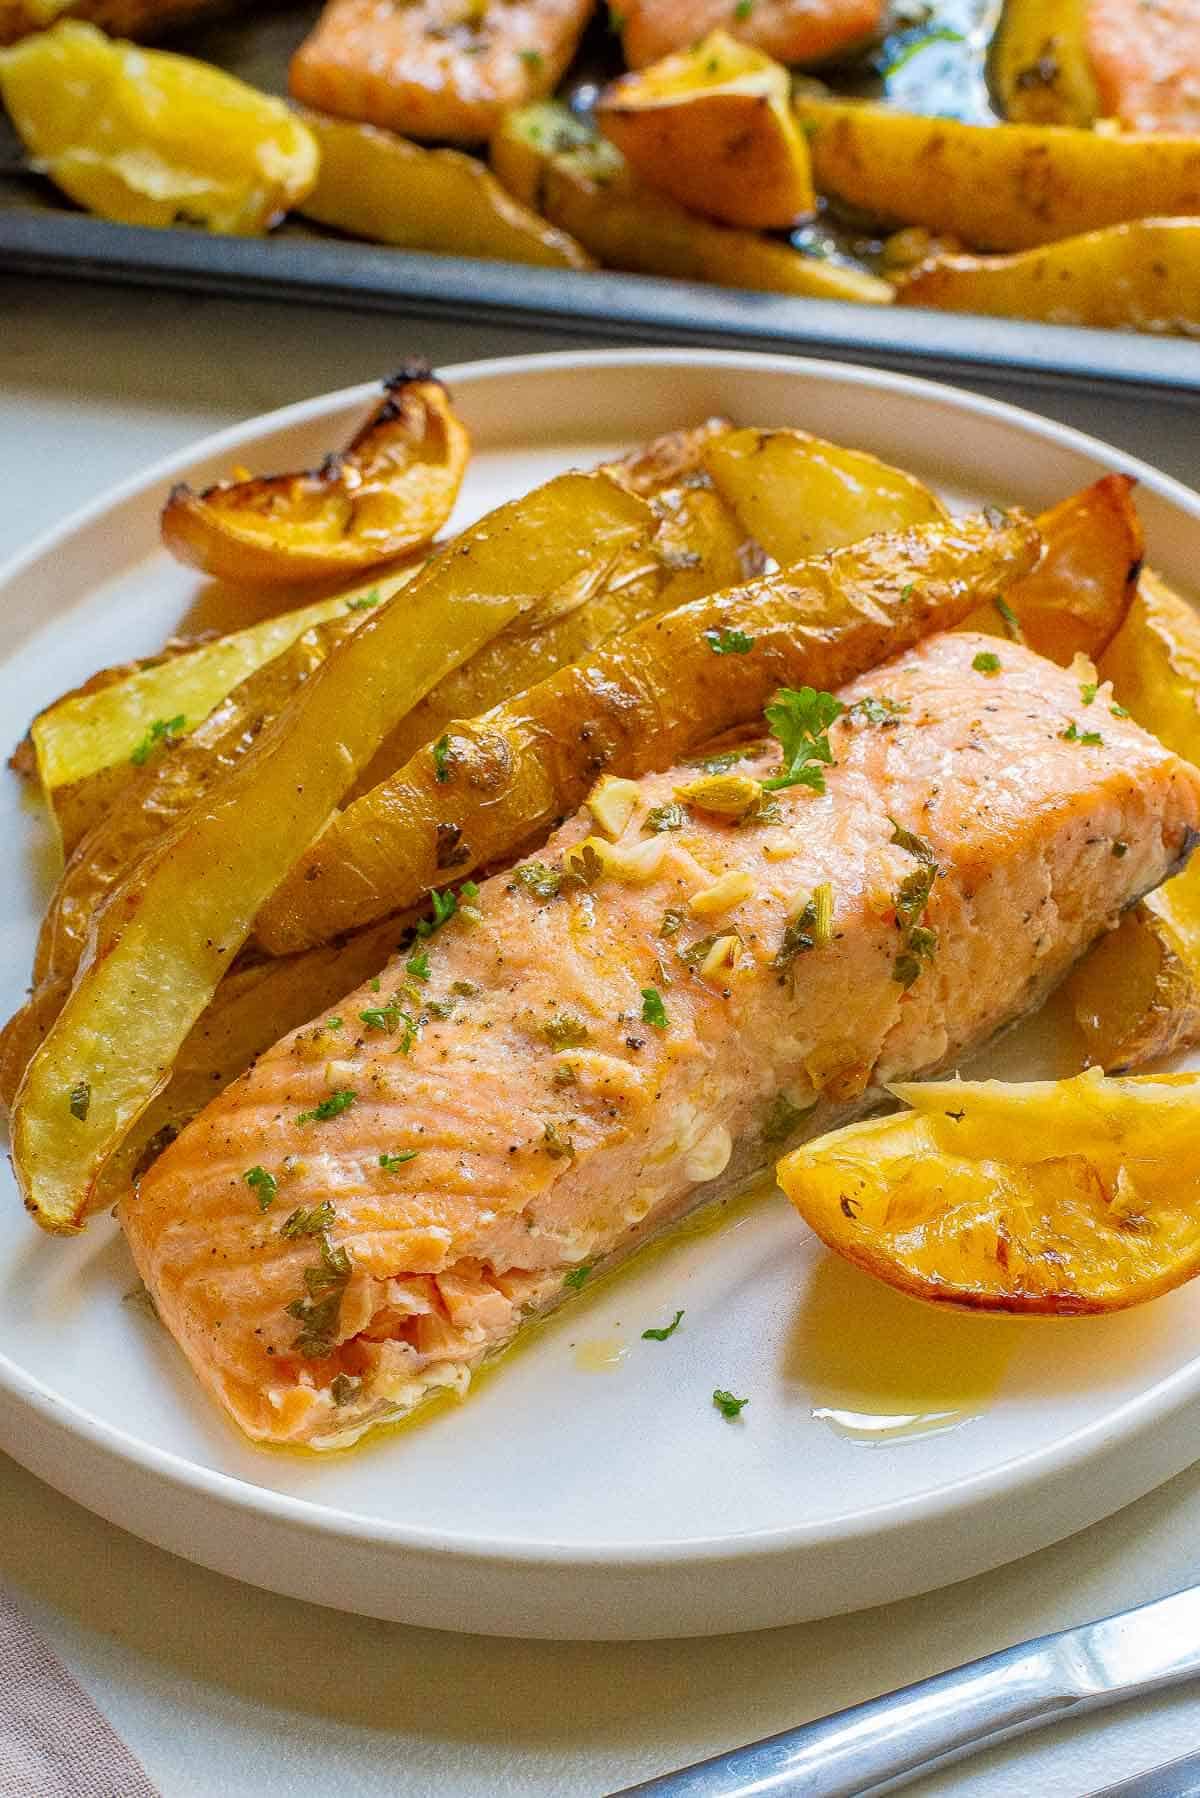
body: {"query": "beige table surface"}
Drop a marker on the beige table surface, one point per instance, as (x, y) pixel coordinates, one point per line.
(224, 1690)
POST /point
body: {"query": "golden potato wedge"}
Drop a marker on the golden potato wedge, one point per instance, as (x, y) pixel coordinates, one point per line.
(544, 156)
(121, 18)
(1137, 995)
(385, 188)
(646, 700)
(667, 460)
(161, 944)
(1142, 276)
(712, 127)
(1082, 588)
(148, 138)
(799, 496)
(998, 187)
(386, 494)
(90, 744)
(1055, 1197)
(1038, 64)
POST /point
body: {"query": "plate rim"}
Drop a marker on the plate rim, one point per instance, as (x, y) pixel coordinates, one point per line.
(1143, 1411)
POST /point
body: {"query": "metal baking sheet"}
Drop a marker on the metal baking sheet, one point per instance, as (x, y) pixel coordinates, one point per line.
(41, 234)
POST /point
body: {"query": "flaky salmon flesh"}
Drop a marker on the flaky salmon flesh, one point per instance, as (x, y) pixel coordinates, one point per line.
(636, 1021)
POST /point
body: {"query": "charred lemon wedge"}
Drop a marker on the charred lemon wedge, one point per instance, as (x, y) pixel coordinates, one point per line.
(388, 492)
(148, 138)
(1052, 1197)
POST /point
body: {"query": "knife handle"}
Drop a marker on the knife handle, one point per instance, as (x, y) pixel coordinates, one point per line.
(904, 1733)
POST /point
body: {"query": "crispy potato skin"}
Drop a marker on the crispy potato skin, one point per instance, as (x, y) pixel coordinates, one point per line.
(386, 494)
(381, 187)
(712, 127)
(646, 700)
(1140, 276)
(1038, 64)
(589, 191)
(998, 187)
(1075, 600)
(1051, 1198)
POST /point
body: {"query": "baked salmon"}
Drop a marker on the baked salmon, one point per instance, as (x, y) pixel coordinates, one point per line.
(792, 31)
(697, 971)
(442, 69)
(1145, 57)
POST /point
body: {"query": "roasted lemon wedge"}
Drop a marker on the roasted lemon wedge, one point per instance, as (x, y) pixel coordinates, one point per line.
(148, 138)
(1053, 1197)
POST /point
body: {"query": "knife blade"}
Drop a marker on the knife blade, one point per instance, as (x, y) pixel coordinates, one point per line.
(891, 1739)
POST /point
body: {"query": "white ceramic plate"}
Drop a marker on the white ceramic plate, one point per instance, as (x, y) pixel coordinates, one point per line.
(567, 1498)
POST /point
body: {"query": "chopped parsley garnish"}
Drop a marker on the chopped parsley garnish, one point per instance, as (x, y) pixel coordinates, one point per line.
(654, 1012)
(468, 890)
(673, 922)
(563, 1031)
(988, 663)
(697, 952)
(667, 1330)
(418, 965)
(331, 1106)
(409, 1035)
(727, 1405)
(578, 1276)
(811, 928)
(376, 984)
(906, 592)
(720, 763)
(389, 1163)
(441, 1008)
(616, 20)
(444, 907)
(308, 1223)
(539, 878)
(263, 1185)
(665, 817)
(80, 1100)
(365, 601)
(742, 10)
(1009, 619)
(441, 750)
(333, 1023)
(799, 719)
(1118, 711)
(783, 1117)
(915, 845)
(382, 1017)
(319, 1308)
(342, 1388)
(919, 943)
(556, 1145)
(1120, 849)
(728, 642)
(531, 58)
(1088, 690)
(1073, 734)
(585, 867)
(163, 730)
(877, 711)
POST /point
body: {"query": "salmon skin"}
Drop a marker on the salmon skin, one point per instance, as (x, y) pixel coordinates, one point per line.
(635, 1022)
(1146, 62)
(437, 69)
(792, 31)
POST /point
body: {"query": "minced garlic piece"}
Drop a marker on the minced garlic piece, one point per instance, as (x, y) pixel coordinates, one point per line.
(613, 803)
(730, 890)
(637, 864)
(710, 1156)
(722, 958)
(729, 795)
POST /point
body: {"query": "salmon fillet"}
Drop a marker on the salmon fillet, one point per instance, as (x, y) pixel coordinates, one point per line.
(511, 1106)
(442, 69)
(1145, 56)
(792, 31)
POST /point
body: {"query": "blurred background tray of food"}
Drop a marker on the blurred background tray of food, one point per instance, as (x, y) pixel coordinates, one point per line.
(1018, 160)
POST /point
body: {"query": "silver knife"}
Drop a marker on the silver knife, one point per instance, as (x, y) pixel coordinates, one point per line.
(892, 1739)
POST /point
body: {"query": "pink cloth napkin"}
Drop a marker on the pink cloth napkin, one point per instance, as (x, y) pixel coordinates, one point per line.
(54, 1743)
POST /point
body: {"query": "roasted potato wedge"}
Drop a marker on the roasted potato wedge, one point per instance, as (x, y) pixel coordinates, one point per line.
(161, 944)
(712, 127)
(387, 189)
(1038, 64)
(90, 744)
(1054, 1197)
(1074, 601)
(1137, 995)
(148, 138)
(122, 18)
(543, 155)
(646, 700)
(668, 460)
(386, 494)
(1142, 276)
(998, 187)
(799, 496)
